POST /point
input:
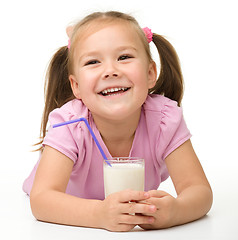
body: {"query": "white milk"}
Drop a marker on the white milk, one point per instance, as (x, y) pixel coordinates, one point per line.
(123, 176)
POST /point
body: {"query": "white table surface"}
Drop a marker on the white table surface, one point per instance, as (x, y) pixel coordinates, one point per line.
(17, 221)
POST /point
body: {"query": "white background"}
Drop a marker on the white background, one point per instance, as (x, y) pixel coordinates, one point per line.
(204, 33)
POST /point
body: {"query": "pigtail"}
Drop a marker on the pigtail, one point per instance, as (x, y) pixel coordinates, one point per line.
(170, 80)
(57, 89)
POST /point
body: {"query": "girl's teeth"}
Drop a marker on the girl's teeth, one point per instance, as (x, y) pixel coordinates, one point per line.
(112, 90)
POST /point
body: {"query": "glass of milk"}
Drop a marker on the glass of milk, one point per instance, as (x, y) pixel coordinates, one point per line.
(124, 173)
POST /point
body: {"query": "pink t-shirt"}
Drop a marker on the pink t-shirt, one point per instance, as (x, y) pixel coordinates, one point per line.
(161, 130)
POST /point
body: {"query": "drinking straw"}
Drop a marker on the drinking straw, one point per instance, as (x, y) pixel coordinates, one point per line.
(90, 130)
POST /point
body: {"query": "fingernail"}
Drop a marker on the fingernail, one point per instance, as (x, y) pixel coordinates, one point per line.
(151, 220)
(152, 208)
(147, 195)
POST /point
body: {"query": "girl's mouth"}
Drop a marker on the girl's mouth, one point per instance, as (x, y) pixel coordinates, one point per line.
(113, 91)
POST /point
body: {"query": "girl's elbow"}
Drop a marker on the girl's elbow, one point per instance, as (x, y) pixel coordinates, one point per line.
(209, 199)
(35, 205)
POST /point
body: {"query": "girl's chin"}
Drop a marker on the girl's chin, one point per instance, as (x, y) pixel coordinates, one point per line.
(114, 116)
(117, 114)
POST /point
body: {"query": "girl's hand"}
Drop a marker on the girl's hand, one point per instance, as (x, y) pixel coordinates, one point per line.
(165, 210)
(121, 211)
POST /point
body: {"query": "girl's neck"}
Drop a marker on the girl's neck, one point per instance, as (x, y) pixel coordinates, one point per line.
(117, 135)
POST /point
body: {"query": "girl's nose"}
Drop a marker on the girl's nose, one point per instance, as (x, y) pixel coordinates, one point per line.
(110, 71)
(110, 75)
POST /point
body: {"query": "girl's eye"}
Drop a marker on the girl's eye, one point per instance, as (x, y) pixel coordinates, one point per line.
(91, 62)
(124, 57)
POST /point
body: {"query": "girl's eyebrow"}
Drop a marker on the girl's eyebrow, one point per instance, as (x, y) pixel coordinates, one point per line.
(122, 48)
(88, 54)
(95, 53)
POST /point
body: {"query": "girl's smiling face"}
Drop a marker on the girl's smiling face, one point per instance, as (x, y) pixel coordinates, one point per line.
(112, 73)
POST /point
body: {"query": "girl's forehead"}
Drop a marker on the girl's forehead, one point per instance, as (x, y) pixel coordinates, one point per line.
(86, 31)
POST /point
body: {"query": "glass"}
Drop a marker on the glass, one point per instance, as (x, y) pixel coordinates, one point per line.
(124, 173)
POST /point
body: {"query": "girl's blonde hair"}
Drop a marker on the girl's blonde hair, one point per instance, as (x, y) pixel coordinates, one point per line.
(57, 88)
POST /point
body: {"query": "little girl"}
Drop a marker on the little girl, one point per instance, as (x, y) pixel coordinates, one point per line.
(106, 74)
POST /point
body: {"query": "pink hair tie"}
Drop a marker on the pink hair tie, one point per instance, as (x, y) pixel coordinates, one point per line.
(148, 34)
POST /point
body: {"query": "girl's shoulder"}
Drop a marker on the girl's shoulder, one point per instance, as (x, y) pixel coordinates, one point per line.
(163, 116)
(75, 107)
(161, 105)
(70, 110)
(68, 139)
(165, 123)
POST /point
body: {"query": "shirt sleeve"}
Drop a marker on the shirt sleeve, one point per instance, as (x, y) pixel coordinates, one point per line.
(174, 131)
(61, 138)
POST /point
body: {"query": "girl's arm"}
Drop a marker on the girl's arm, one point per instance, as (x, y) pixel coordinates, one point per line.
(48, 199)
(194, 194)
(50, 203)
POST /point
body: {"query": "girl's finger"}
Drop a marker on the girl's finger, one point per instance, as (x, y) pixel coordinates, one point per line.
(130, 196)
(154, 201)
(134, 207)
(136, 219)
(158, 193)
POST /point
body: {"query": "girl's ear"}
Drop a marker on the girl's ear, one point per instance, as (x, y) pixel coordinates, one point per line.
(75, 86)
(69, 31)
(152, 75)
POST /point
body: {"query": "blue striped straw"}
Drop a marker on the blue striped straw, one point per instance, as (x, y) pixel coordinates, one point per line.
(90, 130)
